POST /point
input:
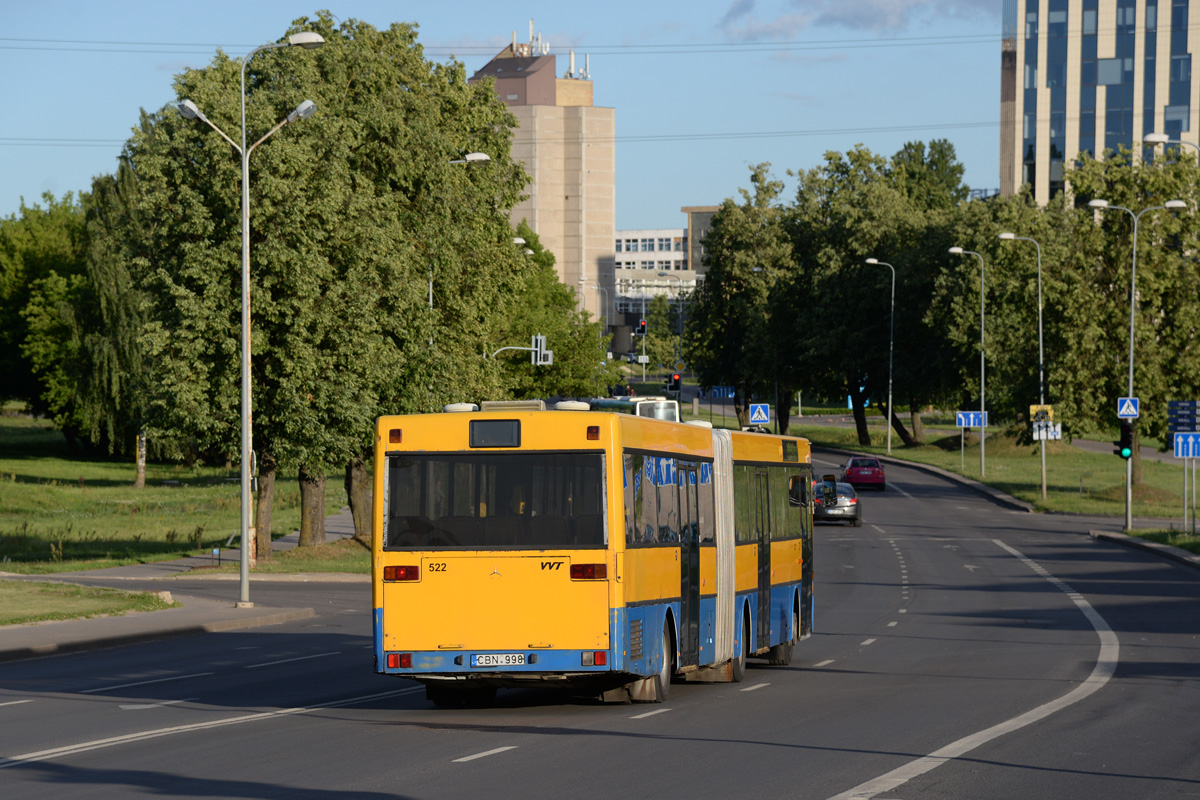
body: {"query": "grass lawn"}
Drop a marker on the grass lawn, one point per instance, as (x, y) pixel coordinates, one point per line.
(343, 555)
(25, 601)
(63, 512)
(1182, 540)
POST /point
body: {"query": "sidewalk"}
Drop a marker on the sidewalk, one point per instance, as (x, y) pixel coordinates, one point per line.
(196, 615)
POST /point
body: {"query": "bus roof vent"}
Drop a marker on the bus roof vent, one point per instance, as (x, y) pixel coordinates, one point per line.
(458, 408)
(572, 405)
(699, 423)
(512, 405)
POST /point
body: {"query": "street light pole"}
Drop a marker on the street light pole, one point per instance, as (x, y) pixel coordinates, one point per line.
(1104, 205)
(604, 294)
(891, 340)
(1041, 362)
(982, 404)
(307, 40)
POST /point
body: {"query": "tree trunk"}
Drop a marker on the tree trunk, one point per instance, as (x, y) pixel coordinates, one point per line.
(783, 408)
(898, 426)
(918, 427)
(860, 415)
(266, 504)
(741, 406)
(312, 508)
(358, 493)
(139, 482)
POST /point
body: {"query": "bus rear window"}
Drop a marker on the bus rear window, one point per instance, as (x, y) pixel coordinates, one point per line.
(495, 500)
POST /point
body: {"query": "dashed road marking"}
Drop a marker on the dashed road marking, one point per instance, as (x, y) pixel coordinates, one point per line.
(15, 702)
(755, 687)
(484, 754)
(824, 663)
(146, 683)
(290, 660)
(651, 713)
(868, 641)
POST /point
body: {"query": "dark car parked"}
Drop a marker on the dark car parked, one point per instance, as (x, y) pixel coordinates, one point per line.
(845, 507)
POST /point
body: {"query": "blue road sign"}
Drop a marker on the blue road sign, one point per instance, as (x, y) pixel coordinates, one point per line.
(1127, 408)
(760, 414)
(971, 419)
(1187, 445)
(1186, 406)
(722, 392)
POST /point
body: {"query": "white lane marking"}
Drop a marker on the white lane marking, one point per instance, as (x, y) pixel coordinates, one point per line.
(15, 702)
(484, 755)
(866, 642)
(98, 744)
(1106, 665)
(824, 663)
(901, 491)
(893, 624)
(971, 567)
(902, 611)
(876, 527)
(651, 713)
(755, 687)
(144, 706)
(290, 660)
(144, 683)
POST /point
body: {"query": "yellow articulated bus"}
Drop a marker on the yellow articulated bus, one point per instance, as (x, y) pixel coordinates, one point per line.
(604, 552)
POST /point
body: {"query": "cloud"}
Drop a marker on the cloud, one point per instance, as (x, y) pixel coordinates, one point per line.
(786, 19)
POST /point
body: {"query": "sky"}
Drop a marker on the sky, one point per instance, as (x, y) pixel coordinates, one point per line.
(703, 89)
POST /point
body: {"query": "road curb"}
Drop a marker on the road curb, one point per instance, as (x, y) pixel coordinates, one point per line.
(147, 634)
(1176, 554)
(999, 497)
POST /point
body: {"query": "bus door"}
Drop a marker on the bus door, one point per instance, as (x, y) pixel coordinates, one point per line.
(689, 568)
(762, 535)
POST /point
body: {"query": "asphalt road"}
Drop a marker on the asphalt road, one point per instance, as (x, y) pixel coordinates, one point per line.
(963, 650)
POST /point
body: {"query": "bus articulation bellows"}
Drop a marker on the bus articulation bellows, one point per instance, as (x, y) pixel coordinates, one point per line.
(604, 552)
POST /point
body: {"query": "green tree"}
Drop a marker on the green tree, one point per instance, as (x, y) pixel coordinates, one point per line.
(661, 340)
(36, 244)
(730, 339)
(347, 207)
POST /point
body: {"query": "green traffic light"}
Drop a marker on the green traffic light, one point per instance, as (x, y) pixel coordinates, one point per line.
(1126, 452)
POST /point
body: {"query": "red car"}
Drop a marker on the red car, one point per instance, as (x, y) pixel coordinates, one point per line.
(864, 471)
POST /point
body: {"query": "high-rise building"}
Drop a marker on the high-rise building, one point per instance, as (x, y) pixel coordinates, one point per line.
(567, 146)
(1089, 76)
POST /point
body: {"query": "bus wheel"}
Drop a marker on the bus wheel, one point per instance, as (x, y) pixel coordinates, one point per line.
(663, 678)
(739, 661)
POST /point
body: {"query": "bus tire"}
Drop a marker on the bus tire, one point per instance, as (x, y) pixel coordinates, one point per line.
(781, 654)
(739, 661)
(663, 678)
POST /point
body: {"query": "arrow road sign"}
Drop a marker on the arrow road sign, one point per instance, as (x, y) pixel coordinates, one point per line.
(1187, 445)
(760, 414)
(1044, 429)
(1127, 408)
(971, 419)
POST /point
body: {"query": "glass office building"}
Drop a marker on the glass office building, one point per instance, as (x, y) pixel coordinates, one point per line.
(1091, 76)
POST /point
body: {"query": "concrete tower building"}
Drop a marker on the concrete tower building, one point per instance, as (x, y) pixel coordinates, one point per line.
(1092, 75)
(567, 146)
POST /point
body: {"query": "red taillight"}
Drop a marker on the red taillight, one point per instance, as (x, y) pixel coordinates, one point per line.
(596, 658)
(601, 658)
(593, 433)
(407, 573)
(852, 500)
(396, 436)
(399, 660)
(589, 572)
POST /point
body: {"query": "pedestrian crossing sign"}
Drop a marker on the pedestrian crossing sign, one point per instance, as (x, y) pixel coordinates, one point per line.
(760, 414)
(1127, 408)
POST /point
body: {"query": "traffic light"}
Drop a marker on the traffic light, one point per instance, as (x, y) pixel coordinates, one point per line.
(641, 328)
(674, 383)
(1124, 447)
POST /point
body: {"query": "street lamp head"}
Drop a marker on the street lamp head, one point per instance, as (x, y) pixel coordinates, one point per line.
(958, 251)
(872, 260)
(518, 240)
(309, 40)
(472, 158)
(1097, 203)
(303, 111)
(189, 111)
(1008, 237)
(1156, 138)
(1175, 204)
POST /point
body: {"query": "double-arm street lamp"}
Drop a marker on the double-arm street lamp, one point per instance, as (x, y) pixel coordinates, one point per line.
(1104, 205)
(891, 339)
(307, 40)
(1012, 237)
(958, 251)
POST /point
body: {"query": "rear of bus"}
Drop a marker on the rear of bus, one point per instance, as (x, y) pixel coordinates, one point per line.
(492, 564)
